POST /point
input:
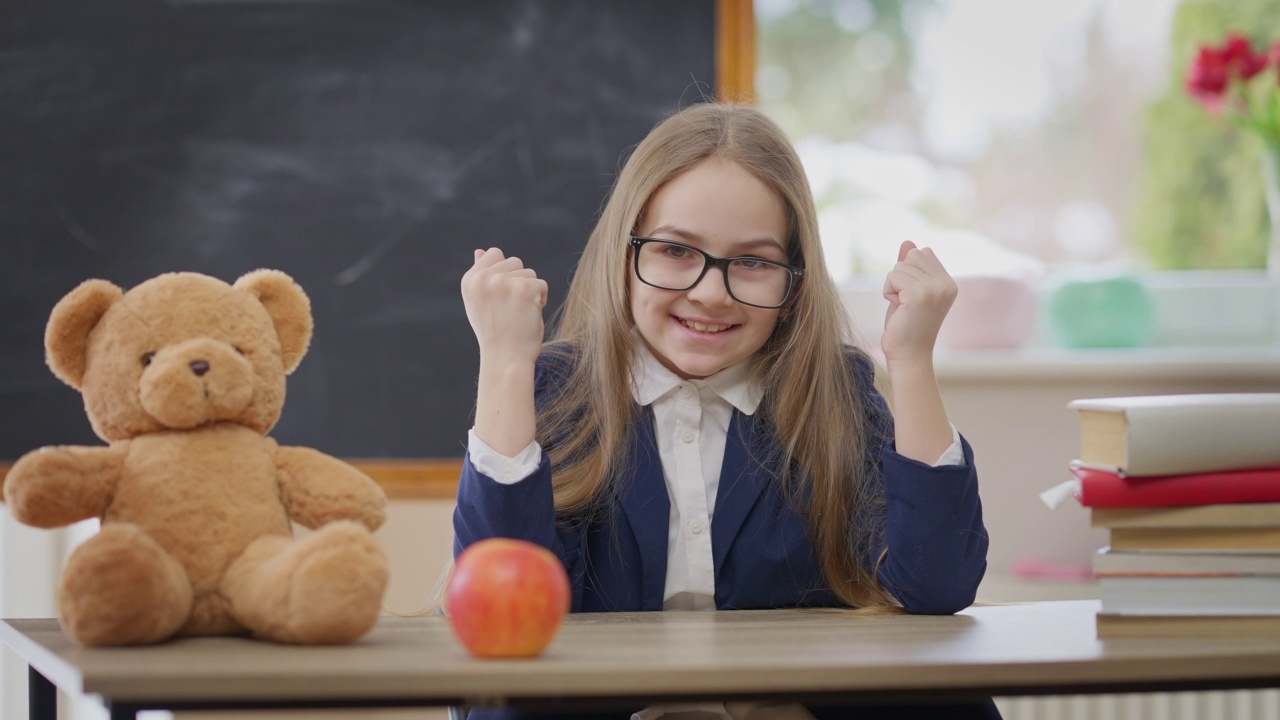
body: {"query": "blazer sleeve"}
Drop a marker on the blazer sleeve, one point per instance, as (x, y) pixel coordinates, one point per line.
(524, 510)
(933, 548)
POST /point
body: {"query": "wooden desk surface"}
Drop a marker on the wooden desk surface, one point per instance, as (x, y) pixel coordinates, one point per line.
(1010, 649)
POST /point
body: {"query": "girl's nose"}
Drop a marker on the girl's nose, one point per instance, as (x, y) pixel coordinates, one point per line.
(711, 289)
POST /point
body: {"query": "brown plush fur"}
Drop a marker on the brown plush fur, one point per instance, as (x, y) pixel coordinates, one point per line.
(184, 376)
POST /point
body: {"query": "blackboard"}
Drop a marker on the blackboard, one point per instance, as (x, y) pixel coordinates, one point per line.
(365, 147)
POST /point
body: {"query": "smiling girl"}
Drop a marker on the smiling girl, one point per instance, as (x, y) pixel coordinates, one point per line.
(701, 434)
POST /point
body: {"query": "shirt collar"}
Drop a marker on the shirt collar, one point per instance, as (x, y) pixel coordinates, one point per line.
(651, 380)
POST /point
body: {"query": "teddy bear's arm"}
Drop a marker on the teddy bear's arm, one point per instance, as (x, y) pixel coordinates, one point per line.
(60, 485)
(318, 488)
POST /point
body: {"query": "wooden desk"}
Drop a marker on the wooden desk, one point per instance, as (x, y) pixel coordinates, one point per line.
(605, 659)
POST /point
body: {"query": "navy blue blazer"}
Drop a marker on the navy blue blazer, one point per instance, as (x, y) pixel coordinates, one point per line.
(763, 558)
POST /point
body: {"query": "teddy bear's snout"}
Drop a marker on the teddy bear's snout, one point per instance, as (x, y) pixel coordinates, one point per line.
(196, 382)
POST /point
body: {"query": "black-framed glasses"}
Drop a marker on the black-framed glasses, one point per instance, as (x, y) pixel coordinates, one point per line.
(754, 281)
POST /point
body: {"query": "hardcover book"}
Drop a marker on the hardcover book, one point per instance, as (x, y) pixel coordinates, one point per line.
(1113, 626)
(1110, 489)
(1252, 595)
(1179, 434)
(1108, 562)
(1196, 539)
(1226, 515)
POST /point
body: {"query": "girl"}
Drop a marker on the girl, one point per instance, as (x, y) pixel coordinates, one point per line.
(699, 435)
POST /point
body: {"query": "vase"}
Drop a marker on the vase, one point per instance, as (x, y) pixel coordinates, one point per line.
(1271, 186)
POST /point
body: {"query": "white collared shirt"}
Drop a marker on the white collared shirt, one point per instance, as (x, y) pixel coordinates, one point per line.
(691, 422)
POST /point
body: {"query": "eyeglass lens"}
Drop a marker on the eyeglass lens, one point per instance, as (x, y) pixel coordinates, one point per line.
(675, 267)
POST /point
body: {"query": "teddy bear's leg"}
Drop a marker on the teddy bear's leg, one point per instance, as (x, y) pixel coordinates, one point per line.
(121, 588)
(326, 587)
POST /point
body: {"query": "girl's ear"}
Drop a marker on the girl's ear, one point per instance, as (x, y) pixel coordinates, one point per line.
(66, 336)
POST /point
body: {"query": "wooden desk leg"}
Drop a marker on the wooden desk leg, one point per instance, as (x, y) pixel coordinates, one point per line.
(42, 696)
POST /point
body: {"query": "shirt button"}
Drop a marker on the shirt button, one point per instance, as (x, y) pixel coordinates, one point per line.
(695, 527)
(687, 436)
(687, 391)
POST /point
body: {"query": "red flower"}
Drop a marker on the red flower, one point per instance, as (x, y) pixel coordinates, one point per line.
(1215, 68)
(1225, 79)
(1241, 59)
(1208, 76)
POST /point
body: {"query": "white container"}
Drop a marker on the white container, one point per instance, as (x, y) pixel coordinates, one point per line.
(1216, 308)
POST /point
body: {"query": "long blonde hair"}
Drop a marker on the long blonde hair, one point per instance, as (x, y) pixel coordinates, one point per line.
(811, 399)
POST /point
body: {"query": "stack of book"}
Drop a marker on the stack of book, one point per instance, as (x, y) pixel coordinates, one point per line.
(1189, 488)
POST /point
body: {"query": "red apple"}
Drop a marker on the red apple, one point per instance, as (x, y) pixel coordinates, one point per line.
(507, 597)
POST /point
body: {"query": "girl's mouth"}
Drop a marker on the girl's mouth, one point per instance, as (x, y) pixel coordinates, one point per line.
(711, 328)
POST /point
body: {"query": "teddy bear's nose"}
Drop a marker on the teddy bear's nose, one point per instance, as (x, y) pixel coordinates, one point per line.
(200, 367)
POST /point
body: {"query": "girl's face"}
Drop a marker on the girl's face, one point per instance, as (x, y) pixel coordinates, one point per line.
(720, 208)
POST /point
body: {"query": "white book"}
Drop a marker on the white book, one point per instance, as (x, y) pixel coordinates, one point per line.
(1111, 562)
(1179, 434)
(1253, 595)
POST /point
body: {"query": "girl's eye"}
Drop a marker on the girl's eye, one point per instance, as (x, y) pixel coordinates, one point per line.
(677, 252)
(147, 358)
(754, 264)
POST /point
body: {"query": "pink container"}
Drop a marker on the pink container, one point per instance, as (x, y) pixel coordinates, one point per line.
(990, 312)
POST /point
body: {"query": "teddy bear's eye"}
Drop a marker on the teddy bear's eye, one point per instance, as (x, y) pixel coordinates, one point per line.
(147, 358)
(238, 349)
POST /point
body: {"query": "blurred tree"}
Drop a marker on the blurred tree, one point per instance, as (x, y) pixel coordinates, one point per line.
(1202, 203)
(1084, 152)
(837, 67)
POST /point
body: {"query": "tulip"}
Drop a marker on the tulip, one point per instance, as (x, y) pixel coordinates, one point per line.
(1207, 78)
(1240, 58)
(1225, 80)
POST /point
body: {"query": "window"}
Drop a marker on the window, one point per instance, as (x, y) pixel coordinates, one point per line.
(1007, 134)
(1029, 140)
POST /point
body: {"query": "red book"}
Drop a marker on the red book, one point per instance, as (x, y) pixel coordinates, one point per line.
(1104, 488)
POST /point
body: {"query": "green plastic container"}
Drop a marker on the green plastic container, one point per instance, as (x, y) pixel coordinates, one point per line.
(1107, 312)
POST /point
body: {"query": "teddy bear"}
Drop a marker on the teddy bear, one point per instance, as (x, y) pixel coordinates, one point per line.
(184, 377)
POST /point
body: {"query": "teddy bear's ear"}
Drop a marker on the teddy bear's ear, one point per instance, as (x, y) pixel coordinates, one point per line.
(66, 337)
(289, 308)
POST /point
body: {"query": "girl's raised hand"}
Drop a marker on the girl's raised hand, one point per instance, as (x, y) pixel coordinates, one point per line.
(504, 302)
(920, 293)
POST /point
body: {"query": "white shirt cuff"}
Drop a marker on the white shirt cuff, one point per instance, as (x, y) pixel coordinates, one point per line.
(953, 455)
(503, 469)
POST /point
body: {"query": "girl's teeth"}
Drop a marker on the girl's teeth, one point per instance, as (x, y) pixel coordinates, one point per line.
(705, 328)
